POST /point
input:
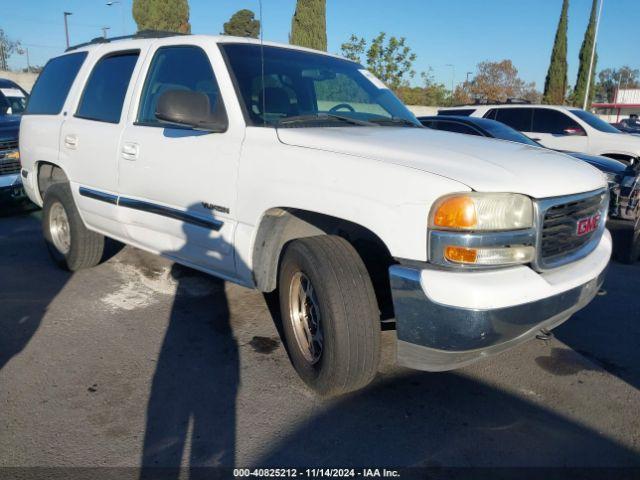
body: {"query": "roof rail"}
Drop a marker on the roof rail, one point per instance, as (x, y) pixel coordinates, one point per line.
(518, 101)
(137, 35)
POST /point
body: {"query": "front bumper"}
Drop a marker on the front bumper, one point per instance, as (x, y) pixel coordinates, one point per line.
(11, 188)
(446, 320)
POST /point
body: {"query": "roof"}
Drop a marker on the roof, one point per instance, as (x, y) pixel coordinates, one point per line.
(147, 37)
(6, 83)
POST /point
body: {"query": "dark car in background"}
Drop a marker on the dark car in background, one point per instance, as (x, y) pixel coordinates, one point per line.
(623, 179)
(13, 100)
(629, 126)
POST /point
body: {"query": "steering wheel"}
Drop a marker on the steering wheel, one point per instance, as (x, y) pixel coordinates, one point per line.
(342, 105)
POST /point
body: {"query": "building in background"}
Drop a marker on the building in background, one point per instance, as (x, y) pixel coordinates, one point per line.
(626, 102)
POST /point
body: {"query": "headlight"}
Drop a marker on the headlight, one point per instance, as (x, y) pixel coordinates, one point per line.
(482, 211)
(482, 230)
(14, 155)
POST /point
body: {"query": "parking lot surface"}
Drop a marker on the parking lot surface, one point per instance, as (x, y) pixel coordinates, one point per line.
(139, 362)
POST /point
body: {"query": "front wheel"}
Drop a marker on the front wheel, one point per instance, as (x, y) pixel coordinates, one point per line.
(330, 316)
(71, 245)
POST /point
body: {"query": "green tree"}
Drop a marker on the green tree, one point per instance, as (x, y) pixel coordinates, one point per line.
(609, 80)
(242, 24)
(429, 94)
(165, 15)
(7, 48)
(585, 60)
(391, 61)
(309, 24)
(555, 85)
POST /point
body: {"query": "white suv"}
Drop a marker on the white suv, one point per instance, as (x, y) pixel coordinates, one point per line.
(560, 128)
(284, 168)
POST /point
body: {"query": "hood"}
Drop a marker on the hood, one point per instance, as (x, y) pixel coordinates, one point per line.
(483, 164)
(605, 164)
(9, 126)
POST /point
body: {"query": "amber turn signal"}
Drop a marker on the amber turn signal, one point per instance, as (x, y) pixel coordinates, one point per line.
(456, 212)
(461, 254)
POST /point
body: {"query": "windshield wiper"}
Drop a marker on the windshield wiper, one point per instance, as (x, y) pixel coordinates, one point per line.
(396, 121)
(324, 117)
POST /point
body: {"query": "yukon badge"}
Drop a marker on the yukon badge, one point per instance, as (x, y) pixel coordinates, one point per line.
(215, 208)
(588, 225)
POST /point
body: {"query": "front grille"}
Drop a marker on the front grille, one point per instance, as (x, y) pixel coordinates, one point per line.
(8, 166)
(559, 237)
(7, 145)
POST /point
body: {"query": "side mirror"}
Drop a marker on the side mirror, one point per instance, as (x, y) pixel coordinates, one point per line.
(191, 109)
(574, 132)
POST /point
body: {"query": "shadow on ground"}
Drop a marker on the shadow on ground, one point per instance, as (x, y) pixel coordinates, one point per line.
(437, 420)
(22, 307)
(607, 331)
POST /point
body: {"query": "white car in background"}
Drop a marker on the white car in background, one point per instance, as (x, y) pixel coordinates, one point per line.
(559, 128)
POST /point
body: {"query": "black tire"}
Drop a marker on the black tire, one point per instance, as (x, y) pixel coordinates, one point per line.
(626, 243)
(86, 247)
(349, 314)
(632, 253)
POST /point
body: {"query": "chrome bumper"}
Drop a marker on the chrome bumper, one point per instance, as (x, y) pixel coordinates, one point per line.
(436, 337)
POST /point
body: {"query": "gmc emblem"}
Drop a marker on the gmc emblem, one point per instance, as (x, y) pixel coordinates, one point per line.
(588, 225)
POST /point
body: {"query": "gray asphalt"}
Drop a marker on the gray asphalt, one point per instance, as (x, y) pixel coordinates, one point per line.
(139, 362)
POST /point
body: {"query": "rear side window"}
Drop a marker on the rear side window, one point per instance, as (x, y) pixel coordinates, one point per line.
(53, 85)
(104, 93)
(518, 118)
(176, 68)
(463, 113)
(553, 122)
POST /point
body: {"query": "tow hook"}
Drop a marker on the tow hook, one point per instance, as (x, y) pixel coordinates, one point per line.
(544, 335)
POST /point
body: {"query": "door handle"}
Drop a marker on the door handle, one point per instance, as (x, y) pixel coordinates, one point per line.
(71, 141)
(130, 151)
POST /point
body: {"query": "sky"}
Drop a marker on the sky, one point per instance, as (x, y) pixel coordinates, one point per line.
(442, 33)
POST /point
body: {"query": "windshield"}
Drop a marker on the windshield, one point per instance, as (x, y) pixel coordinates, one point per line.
(594, 121)
(12, 100)
(308, 89)
(504, 132)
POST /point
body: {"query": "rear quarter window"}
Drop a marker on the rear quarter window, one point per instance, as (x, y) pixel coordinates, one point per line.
(104, 93)
(53, 85)
(517, 118)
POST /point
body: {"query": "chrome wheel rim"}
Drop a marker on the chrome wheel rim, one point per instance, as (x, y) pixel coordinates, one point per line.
(304, 312)
(59, 228)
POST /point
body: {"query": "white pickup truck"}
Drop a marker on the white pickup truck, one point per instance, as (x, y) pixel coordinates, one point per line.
(285, 168)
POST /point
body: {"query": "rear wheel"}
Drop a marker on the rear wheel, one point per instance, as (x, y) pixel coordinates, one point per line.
(71, 245)
(330, 315)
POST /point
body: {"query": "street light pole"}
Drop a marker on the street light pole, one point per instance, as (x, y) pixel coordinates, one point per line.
(453, 75)
(66, 26)
(104, 31)
(111, 4)
(593, 55)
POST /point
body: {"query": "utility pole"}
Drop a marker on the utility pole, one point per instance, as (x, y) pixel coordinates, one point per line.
(104, 31)
(593, 55)
(66, 26)
(3, 58)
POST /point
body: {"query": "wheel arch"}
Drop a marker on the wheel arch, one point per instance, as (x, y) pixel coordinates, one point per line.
(280, 225)
(47, 174)
(624, 157)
